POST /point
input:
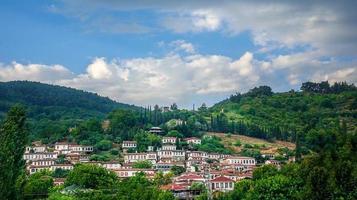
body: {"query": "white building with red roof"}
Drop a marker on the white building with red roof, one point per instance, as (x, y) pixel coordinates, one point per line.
(222, 184)
(126, 173)
(242, 160)
(189, 178)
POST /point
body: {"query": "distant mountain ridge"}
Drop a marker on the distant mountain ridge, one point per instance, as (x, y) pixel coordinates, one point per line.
(45, 99)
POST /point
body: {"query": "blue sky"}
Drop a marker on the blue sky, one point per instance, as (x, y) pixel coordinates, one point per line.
(177, 51)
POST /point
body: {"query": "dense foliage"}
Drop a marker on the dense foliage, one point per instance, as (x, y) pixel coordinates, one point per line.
(331, 173)
(52, 109)
(13, 137)
(93, 182)
(289, 115)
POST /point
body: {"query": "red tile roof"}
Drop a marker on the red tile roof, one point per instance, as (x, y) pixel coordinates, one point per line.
(222, 179)
(173, 186)
(189, 177)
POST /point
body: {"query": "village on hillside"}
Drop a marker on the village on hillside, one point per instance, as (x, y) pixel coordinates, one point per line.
(216, 171)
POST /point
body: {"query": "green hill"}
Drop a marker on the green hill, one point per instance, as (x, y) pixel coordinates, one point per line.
(264, 114)
(55, 102)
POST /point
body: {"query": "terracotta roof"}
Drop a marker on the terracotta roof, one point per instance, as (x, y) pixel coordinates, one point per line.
(189, 177)
(222, 179)
(173, 186)
(129, 142)
(240, 157)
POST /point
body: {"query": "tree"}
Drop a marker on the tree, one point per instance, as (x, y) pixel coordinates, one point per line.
(91, 176)
(38, 185)
(145, 164)
(162, 179)
(13, 138)
(140, 188)
(260, 91)
(60, 173)
(177, 170)
(174, 106)
(265, 171)
(104, 145)
(122, 122)
(174, 133)
(274, 187)
(203, 108)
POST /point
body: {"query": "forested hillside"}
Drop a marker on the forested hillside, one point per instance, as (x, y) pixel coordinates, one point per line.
(264, 114)
(55, 102)
(52, 109)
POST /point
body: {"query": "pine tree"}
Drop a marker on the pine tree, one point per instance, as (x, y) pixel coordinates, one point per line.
(13, 137)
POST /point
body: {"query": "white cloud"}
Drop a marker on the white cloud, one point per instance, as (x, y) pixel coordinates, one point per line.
(99, 69)
(337, 76)
(33, 72)
(184, 79)
(328, 27)
(244, 65)
(182, 45)
(205, 20)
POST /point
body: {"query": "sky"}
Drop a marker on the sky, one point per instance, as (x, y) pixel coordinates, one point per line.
(187, 52)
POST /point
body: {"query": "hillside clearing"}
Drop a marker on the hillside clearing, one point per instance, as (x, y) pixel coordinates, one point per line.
(265, 146)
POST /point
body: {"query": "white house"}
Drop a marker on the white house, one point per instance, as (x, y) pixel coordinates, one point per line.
(168, 147)
(125, 173)
(129, 144)
(246, 161)
(222, 184)
(193, 140)
(33, 169)
(215, 156)
(135, 157)
(60, 146)
(40, 156)
(111, 165)
(168, 140)
(45, 162)
(39, 149)
(197, 154)
(62, 166)
(80, 148)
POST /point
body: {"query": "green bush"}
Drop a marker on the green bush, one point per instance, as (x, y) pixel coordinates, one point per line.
(238, 143)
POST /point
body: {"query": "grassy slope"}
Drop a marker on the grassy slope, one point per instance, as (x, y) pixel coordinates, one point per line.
(269, 147)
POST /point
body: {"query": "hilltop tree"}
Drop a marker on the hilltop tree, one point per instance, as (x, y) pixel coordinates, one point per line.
(174, 106)
(13, 138)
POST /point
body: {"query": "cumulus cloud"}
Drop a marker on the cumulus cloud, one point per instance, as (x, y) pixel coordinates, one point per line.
(185, 78)
(329, 27)
(182, 45)
(33, 72)
(337, 76)
(99, 69)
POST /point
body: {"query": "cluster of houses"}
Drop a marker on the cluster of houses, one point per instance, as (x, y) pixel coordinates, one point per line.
(62, 156)
(218, 172)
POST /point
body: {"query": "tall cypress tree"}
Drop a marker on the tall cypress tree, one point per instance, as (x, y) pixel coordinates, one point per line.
(13, 136)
